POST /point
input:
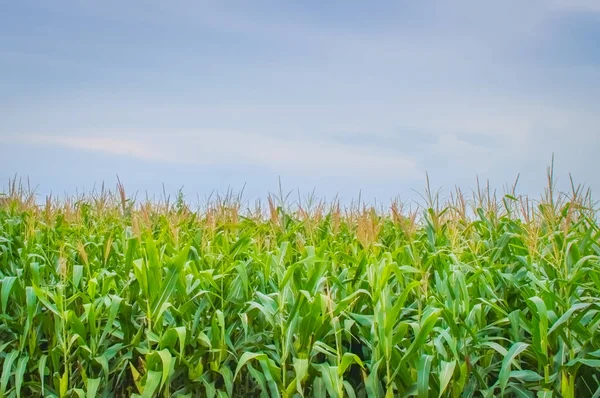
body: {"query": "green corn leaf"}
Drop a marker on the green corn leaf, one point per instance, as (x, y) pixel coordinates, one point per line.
(7, 284)
(153, 380)
(227, 375)
(247, 356)
(42, 369)
(7, 370)
(423, 372)
(567, 315)
(446, 372)
(525, 375)
(20, 372)
(92, 387)
(505, 370)
(347, 360)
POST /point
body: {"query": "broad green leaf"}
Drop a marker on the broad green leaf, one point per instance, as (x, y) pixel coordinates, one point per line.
(153, 380)
(92, 387)
(247, 356)
(20, 372)
(423, 372)
(347, 360)
(446, 372)
(505, 370)
(7, 284)
(7, 370)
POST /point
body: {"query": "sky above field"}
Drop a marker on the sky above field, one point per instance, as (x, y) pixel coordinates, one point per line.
(340, 96)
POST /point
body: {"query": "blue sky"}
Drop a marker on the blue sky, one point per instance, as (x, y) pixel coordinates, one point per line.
(338, 96)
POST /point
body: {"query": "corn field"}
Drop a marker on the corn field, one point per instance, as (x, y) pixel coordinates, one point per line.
(105, 295)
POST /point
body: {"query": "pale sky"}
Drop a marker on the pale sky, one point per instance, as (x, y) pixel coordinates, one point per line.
(338, 96)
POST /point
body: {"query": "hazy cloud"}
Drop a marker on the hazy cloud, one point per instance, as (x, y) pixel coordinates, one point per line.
(218, 148)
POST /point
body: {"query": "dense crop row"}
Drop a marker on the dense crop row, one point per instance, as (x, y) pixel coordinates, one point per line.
(101, 296)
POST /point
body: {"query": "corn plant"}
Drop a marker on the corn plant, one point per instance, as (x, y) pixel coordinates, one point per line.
(102, 295)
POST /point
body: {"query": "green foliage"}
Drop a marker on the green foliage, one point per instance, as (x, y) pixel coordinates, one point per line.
(102, 296)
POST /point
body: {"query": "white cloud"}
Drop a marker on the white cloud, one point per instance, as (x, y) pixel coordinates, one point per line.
(311, 157)
(116, 146)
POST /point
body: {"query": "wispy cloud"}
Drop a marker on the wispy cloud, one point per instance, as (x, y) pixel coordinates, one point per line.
(310, 157)
(115, 146)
